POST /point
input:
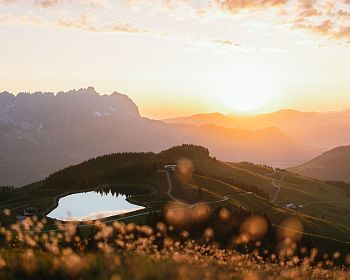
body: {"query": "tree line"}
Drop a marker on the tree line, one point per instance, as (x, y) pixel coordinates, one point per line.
(6, 190)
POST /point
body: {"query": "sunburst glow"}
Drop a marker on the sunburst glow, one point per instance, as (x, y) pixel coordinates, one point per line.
(247, 97)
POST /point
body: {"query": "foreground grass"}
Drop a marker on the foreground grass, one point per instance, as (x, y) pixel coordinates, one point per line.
(171, 264)
(165, 251)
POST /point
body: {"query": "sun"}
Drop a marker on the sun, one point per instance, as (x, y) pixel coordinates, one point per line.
(247, 98)
(246, 103)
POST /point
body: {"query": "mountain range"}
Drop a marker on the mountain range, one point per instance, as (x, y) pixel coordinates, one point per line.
(43, 132)
(321, 131)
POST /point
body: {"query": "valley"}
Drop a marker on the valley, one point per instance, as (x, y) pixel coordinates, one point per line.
(325, 222)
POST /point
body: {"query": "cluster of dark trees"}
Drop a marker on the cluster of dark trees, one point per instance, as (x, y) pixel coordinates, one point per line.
(85, 179)
(6, 188)
(122, 190)
(246, 164)
(185, 151)
(119, 166)
(5, 191)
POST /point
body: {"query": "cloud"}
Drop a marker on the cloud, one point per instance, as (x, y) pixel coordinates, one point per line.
(223, 43)
(47, 3)
(121, 27)
(343, 13)
(329, 19)
(54, 3)
(325, 28)
(86, 22)
(237, 5)
(343, 32)
(325, 18)
(7, 2)
(307, 8)
(10, 19)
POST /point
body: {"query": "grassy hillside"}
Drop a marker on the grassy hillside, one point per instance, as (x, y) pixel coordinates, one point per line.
(332, 166)
(323, 209)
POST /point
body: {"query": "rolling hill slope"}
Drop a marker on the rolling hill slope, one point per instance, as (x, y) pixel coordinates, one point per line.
(333, 165)
(323, 209)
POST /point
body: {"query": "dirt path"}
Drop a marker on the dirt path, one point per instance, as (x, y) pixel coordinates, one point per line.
(170, 187)
(274, 183)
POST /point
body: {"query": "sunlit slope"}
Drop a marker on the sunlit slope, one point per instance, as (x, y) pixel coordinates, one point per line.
(317, 198)
(321, 229)
(323, 209)
(333, 165)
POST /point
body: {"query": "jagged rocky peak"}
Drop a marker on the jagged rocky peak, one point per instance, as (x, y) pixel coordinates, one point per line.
(6, 98)
(82, 91)
(39, 107)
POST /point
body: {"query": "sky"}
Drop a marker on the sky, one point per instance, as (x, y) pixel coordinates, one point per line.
(182, 57)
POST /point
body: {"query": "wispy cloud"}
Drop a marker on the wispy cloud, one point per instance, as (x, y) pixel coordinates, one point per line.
(10, 19)
(222, 43)
(54, 3)
(86, 22)
(330, 19)
(327, 18)
(7, 2)
(237, 5)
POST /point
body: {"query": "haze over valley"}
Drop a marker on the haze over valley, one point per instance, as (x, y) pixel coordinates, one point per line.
(73, 126)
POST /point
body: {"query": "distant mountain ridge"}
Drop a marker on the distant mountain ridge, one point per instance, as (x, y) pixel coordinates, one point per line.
(18, 110)
(322, 131)
(333, 165)
(43, 132)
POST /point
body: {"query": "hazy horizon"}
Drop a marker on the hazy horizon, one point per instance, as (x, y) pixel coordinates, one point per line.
(178, 114)
(182, 57)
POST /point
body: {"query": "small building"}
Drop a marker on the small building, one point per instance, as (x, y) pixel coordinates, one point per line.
(29, 212)
(290, 206)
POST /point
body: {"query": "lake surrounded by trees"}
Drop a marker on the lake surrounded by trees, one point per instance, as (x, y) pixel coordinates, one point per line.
(92, 205)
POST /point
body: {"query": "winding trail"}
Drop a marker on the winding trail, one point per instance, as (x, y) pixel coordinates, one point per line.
(225, 198)
(274, 183)
(278, 187)
(170, 187)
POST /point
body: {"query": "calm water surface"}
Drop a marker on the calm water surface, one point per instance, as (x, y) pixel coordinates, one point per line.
(91, 205)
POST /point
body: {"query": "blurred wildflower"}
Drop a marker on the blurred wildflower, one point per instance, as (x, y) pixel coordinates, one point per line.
(7, 212)
(184, 169)
(253, 228)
